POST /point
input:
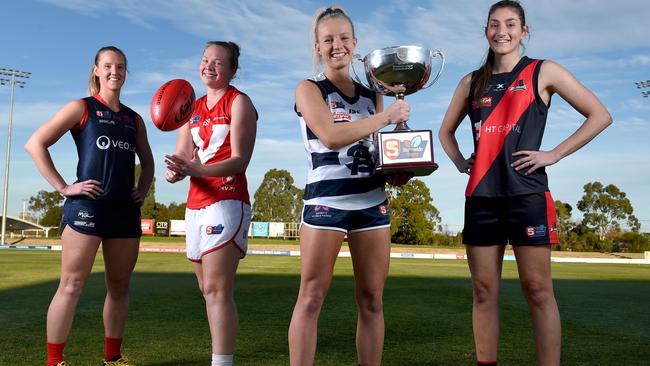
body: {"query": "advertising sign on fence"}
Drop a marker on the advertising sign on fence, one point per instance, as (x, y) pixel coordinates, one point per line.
(259, 229)
(147, 226)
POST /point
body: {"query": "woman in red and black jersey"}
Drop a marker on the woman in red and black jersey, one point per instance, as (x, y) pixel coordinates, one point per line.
(507, 196)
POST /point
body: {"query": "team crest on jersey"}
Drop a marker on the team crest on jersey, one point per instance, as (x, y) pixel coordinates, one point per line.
(519, 85)
(361, 159)
(228, 183)
(335, 104)
(214, 230)
(103, 114)
(536, 231)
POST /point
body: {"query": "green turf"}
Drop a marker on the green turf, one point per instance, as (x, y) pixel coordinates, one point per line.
(604, 311)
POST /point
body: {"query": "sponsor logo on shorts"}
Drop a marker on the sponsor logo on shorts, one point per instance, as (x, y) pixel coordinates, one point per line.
(83, 214)
(321, 211)
(244, 233)
(84, 223)
(536, 231)
(214, 230)
(383, 210)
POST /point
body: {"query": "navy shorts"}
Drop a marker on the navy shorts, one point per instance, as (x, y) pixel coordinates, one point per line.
(519, 220)
(347, 221)
(104, 219)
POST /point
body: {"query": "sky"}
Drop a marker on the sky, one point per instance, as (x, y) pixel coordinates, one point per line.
(604, 44)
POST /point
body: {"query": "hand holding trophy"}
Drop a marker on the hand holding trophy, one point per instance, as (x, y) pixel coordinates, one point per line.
(399, 71)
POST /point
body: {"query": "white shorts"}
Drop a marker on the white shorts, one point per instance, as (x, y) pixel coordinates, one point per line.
(212, 227)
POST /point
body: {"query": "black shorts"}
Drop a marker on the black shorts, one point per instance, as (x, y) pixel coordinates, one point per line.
(519, 220)
(101, 218)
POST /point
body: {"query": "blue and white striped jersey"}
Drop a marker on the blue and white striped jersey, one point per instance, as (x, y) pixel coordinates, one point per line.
(342, 178)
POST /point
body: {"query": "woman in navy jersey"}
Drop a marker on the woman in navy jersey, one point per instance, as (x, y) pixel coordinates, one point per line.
(507, 196)
(214, 149)
(102, 206)
(343, 195)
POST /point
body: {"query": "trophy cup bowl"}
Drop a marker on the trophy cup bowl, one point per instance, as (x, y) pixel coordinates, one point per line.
(398, 71)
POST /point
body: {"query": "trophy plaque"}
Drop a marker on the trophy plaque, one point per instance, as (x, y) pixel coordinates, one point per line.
(400, 71)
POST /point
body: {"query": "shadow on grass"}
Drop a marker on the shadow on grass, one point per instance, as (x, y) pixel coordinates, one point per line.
(428, 322)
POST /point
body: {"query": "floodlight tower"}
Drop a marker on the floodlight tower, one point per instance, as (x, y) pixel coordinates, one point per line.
(21, 84)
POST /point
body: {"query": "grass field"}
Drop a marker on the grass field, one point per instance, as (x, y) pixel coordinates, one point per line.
(604, 309)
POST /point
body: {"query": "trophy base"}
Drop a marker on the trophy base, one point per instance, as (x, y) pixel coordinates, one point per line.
(418, 170)
(406, 151)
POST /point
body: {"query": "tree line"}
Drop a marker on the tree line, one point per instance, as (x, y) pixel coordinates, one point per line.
(414, 218)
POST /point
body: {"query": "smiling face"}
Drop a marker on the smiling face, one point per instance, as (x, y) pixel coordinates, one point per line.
(110, 70)
(215, 69)
(335, 42)
(505, 31)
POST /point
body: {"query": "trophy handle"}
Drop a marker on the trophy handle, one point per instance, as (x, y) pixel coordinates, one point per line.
(358, 57)
(432, 55)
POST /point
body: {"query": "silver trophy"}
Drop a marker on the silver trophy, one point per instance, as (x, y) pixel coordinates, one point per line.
(399, 71)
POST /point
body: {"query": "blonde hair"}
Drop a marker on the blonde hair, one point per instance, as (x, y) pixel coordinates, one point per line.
(93, 80)
(334, 11)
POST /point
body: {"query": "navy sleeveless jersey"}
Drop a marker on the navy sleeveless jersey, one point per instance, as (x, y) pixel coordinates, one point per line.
(106, 147)
(508, 118)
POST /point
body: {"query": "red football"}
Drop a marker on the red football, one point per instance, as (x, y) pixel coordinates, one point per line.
(172, 104)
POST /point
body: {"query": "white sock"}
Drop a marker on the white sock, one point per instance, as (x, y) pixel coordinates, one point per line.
(221, 360)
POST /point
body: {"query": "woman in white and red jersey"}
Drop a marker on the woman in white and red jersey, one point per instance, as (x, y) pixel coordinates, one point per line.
(214, 149)
(507, 196)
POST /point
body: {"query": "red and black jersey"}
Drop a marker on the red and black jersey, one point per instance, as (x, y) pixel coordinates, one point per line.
(509, 117)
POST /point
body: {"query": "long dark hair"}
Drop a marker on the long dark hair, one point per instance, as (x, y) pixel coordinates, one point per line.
(481, 77)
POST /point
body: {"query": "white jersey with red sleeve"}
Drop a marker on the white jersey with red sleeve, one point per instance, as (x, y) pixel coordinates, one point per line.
(210, 129)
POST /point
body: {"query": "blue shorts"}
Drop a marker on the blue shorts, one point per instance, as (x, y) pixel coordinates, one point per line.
(518, 220)
(101, 218)
(347, 221)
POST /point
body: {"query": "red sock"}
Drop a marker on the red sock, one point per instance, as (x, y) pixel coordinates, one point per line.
(54, 353)
(112, 349)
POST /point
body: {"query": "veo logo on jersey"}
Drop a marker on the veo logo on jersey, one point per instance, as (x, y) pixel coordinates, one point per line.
(212, 230)
(104, 142)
